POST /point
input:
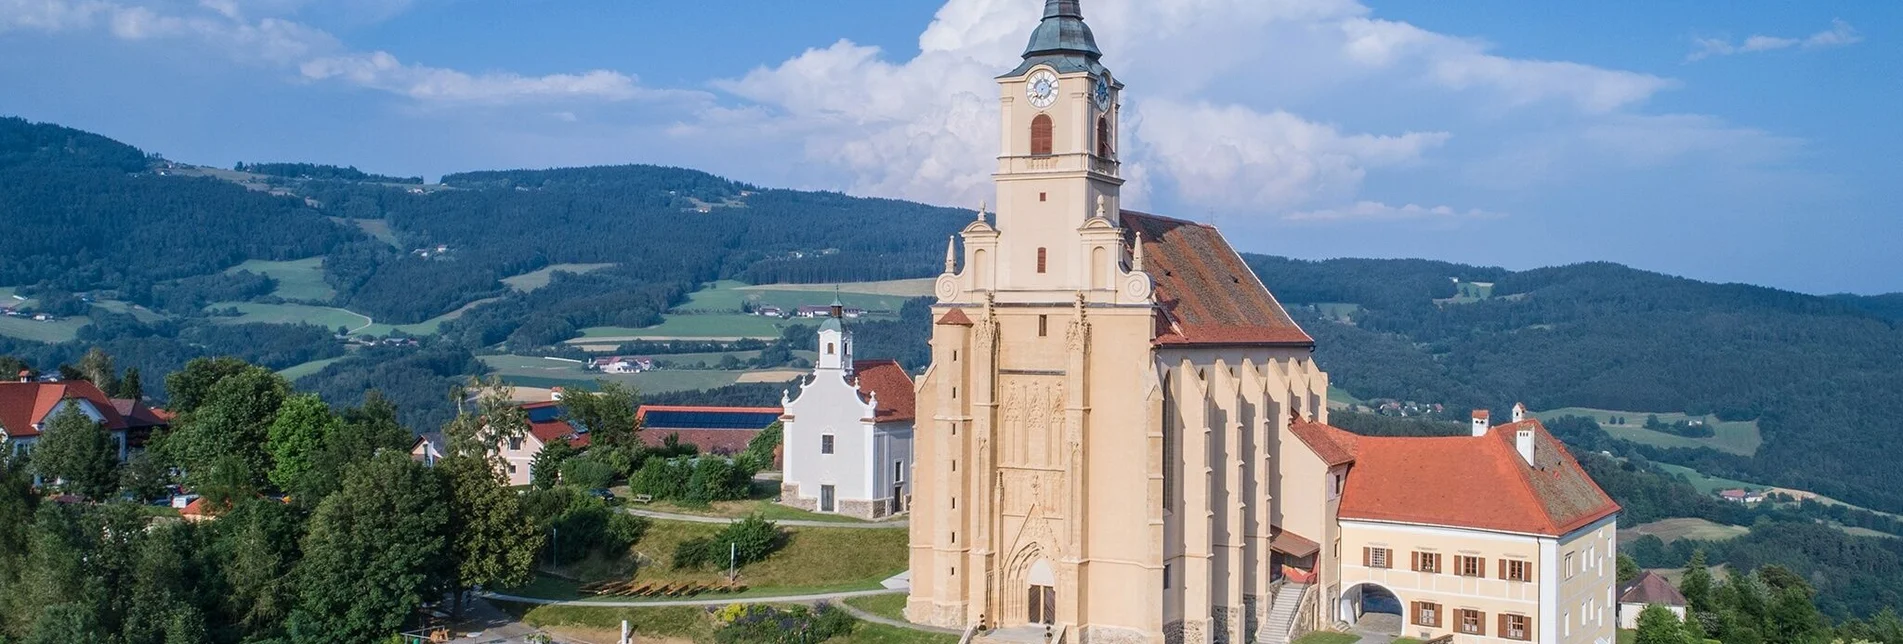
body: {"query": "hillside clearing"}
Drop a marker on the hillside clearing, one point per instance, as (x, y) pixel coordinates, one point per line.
(298, 371)
(300, 279)
(814, 560)
(324, 316)
(375, 228)
(533, 280)
(1669, 530)
(729, 295)
(1737, 437)
(426, 327)
(56, 331)
(708, 327)
(530, 371)
(920, 287)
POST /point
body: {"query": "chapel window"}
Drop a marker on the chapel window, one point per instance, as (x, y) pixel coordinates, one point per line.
(1041, 135)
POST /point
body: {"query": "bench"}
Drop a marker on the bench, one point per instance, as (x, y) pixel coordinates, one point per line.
(643, 498)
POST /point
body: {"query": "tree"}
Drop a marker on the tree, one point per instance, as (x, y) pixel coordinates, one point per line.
(222, 442)
(1696, 585)
(144, 477)
(131, 386)
(96, 367)
(496, 419)
(374, 551)
(362, 432)
(191, 386)
(546, 470)
(1659, 625)
(257, 543)
(1628, 569)
(302, 427)
(608, 415)
(77, 455)
(491, 541)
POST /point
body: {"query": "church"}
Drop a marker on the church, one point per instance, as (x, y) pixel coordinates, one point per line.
(847, 437)
(1123, 436)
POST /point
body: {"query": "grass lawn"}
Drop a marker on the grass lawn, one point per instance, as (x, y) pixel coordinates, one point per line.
(9, 296)
(1706, 484)
(426, 327)
(530, 371)
(869, 633)
(872, 296)
(376, 228)
(887, 606)
(1737, 437)
(300, 279)
(1628, 636)
(920, 287)
(763, 494)
(687, 623)
(1670, 530)
(1341, 311)
(140, 312)
(814, 560)
(537, 279)
(308, 368)
(1325, 637)
(61, 330)
(714, 325)
(324, 316)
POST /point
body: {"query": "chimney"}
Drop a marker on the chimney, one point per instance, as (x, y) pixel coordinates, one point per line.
(1523, 441)
(1519, 412)
(1481, 423)
(26, 376)
(555, 394)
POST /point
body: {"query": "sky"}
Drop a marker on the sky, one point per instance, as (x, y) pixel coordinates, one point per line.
(1746, 141)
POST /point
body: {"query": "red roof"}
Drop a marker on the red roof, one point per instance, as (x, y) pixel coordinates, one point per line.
(1205, 294)
(1468, 481)
(1333, 446)
(23, 404)
(892, 387)
(1650, 588)
(955, 317)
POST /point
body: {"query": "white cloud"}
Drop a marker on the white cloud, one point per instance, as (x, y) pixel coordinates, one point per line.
(1362, 211)
(317, 55)
(1839, 34)
(1234, 157)
(1459, 64)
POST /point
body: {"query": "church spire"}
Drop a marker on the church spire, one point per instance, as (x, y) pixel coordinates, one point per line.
(1063, 32)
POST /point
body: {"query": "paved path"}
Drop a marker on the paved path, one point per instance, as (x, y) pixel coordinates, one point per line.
(781, 599)
(869, 617)
(695, 518)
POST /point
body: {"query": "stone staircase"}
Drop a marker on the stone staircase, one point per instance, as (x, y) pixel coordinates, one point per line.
(1029, 634)
(1281, 620)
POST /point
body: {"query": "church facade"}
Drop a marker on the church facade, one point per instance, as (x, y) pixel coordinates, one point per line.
(1101, 435)
(847, 436)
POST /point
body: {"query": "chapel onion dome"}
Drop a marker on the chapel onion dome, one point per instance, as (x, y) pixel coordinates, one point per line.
(1062, 41)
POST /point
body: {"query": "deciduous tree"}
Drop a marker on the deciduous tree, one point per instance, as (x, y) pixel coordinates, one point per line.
(374, 551)
(77, 455)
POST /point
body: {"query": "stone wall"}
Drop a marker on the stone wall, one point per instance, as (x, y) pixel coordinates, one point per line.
(1110, 635)
(790, 497)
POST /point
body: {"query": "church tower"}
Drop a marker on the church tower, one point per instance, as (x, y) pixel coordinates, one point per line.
(1052, 429)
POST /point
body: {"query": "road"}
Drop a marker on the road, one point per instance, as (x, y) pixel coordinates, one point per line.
(669, 516)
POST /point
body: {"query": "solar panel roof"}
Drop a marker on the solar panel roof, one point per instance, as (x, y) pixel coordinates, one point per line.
(657, 419)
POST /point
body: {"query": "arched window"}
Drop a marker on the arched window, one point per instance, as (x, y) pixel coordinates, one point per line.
(1104, 149)
(1041, 135)
(829, 348)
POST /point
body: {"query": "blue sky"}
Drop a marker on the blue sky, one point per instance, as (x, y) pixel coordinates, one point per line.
(1747, 141)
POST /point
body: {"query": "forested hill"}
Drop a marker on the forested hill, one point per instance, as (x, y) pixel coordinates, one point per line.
(1819, 374)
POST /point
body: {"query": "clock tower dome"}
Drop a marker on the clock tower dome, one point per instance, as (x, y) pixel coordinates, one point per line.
(1058, 168)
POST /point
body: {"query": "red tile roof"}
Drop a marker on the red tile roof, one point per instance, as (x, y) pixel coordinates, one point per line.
(1333, 446)
(955, 317)
(22, 404)
(891, 384)
(1205, 294)
(1470, 481)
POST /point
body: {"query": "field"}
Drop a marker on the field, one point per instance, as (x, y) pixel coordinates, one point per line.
(1337, 311)
(814, 560)
(62, 330)
(710, 326)
(920, 287)
(528, 371)
(426, 327)
(301, 280)
(530, 281)
(134, 310)
(1706, 484)
(9, 297)
(376, 228)
(308, 368)
(324, 316)
(1670, 530)
(1741, 438)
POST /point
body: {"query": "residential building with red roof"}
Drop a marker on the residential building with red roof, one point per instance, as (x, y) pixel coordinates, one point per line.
(1123, 437)
(847, 432)
(27, 405)
(546, 426)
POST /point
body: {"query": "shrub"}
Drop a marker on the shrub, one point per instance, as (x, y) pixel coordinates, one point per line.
(691, 554)
(752, 539)
(790, 625)
(662, 478)
(587, 473)
(624, 530)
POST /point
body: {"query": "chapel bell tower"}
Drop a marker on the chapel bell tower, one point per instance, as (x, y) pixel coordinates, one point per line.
(1059, 166)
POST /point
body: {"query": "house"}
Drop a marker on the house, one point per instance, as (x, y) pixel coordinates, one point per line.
(715, 430)
(848, 435)
(824, 310)
(1498, 534)
(26, 406)
(770, 311)
(621, 364)
(1648, 589)
(545, 426)
(429, 447)
(1736, 495)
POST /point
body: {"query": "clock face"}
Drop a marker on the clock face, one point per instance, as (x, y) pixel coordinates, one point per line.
(1102, 94)
(1042, 90)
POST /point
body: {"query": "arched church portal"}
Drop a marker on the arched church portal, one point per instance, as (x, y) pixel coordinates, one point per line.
(1371, 608)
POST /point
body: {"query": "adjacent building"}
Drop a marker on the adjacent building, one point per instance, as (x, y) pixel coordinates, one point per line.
(518, 453)
(715, 430)
(27, 405)
(1646, 590)
(847, 437)
(1123, 436)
